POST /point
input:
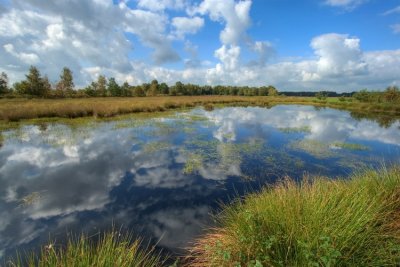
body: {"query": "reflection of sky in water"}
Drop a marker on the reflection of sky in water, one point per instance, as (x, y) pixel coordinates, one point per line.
(161, 178)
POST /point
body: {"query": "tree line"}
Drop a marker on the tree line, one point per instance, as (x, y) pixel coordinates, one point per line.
(39, 86)
(36, 85)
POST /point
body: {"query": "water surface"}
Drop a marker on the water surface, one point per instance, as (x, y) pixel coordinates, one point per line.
(163, 177)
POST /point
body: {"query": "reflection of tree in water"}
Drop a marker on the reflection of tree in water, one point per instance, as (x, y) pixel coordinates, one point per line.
(384, 121)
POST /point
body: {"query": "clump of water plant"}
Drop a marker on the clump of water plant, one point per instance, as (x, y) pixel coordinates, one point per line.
(313, 147)
(111, 249)
(349, 146)
(302, 129)
(317, 222)
(193, 163)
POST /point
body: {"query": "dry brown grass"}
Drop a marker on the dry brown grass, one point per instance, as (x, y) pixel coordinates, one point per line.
(17, 109)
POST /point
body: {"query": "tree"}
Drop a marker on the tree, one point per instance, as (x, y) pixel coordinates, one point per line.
(272, 91)
(321, 95)
(164, 89)
(173, 91)
(138, 91)
(34, 81)
(263, 91)
(3, 83)
(91, 89)
(113, 88)
(21, 88)
(154, 88)
(392, 94)
(125, 89)
(179, 88)
(46, 86)
(101, 86)
(65, 85)
(363, 95)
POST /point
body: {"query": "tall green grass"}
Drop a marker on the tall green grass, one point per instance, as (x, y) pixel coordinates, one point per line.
(111, 249)
(319, 222)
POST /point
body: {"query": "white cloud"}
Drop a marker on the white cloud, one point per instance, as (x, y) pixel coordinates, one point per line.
(396, 28)
(161, 5)
(186, 25)
(392, 11)
(348, 4)
(236, 16)
(29, 58)
(229, 56)
(338, 55)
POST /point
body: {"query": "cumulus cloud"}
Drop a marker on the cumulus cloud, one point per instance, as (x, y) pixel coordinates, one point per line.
(235, 15)
(186, 25)
(338, 54)
(161, 5)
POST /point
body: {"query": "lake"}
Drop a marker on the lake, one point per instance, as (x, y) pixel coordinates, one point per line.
(163, 177)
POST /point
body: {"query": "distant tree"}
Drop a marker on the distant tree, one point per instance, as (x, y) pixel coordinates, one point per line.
(125, 89)
(46, 86)
(153, 88)
(272, 91)
(21, 87)
(138, 91)
(113, 88)
(263, 91)
(145, 88)
(3, 83)
(321, 95)
(91, 89)
(101, 86)
(173, 91)
(391, 94)
(180, 89)
(164, 89)
(34, 81)
(65, 86)
(363, 95)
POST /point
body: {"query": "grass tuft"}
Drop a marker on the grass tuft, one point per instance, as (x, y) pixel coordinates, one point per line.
(318, 222)
(111, 249)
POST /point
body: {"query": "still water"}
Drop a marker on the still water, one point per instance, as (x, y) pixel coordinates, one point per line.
(162, 177)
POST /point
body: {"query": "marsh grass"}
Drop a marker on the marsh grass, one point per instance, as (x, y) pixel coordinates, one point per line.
(349, 146)
(18, 109)
(318, 222)
(312, 147)
(302, 129)
(153, 147)
(111, 249)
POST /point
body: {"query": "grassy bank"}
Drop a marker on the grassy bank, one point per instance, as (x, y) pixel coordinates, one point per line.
(18, 109)
(110, 250)
(320, 222)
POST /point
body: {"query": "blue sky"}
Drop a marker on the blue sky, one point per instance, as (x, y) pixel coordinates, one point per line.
(295, 45)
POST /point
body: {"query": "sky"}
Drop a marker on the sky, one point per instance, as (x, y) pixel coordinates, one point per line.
(295, 45)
